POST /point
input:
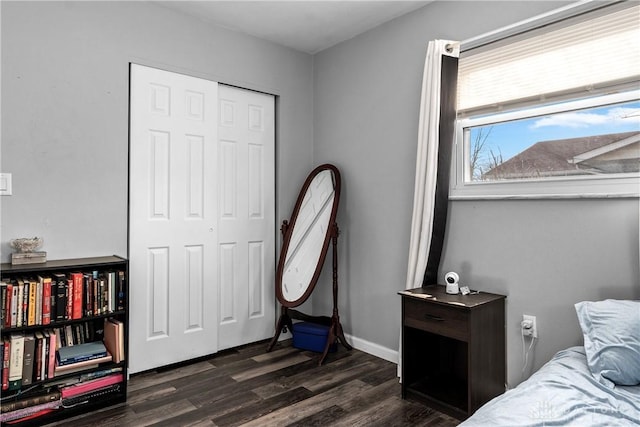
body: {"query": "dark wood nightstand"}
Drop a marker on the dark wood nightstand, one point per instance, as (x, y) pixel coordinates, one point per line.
(453, 348)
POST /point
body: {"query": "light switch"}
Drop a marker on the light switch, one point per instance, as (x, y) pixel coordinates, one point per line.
(5, 184)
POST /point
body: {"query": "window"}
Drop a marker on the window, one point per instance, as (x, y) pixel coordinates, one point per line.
(553, 113)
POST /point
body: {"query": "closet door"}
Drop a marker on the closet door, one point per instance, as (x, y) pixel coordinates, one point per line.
(172, 218)
(201, 217)
(246, 231)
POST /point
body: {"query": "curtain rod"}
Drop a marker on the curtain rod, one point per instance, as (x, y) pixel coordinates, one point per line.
(538, 21)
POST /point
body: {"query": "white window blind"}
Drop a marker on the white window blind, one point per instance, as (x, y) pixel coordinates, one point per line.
(586, 56)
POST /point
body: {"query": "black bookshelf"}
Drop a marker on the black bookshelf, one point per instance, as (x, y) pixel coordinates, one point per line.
(93, 399)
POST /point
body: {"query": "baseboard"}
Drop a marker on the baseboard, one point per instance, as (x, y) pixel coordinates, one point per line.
(373, 348)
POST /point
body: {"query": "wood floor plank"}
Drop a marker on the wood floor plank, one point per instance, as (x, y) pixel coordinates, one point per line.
(309, 406)
(270, 367)
(154, 378)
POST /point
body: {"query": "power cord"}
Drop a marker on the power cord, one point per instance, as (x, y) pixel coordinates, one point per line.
(525, 353)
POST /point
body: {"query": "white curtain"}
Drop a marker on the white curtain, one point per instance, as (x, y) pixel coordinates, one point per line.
(426, 165)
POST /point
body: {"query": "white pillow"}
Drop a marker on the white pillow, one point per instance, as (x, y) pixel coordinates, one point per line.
(611, 330)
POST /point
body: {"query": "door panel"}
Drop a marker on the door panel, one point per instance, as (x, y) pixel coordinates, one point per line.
(246, 135)
(172, 218)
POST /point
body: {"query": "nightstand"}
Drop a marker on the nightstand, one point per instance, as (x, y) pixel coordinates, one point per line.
(453, 348)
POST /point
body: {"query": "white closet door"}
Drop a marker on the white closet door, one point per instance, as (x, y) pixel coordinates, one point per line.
(246, 176)
(201, 217)
(172, 218)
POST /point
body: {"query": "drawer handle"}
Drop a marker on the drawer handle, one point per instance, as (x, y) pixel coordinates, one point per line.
(435, 318)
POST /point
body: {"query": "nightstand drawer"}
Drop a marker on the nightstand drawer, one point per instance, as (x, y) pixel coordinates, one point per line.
(431, 317)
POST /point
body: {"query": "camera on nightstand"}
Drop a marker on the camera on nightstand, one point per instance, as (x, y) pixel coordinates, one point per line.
(452, 280)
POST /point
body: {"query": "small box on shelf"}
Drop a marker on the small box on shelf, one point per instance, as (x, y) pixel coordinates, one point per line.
(22, 258)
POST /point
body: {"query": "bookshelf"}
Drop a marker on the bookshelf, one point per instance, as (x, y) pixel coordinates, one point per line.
(79, 305)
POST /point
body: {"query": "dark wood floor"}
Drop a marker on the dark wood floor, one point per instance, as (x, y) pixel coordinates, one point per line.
(286, 387)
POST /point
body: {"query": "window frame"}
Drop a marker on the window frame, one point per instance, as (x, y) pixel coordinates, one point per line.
(609, 186)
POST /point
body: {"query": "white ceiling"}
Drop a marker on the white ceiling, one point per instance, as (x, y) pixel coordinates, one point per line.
(305, 25)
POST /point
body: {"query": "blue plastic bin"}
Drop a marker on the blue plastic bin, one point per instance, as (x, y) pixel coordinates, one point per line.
(311, 336)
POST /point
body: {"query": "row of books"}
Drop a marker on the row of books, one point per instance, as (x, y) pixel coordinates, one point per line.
(76, 391)
(46, 299)
(42, 355)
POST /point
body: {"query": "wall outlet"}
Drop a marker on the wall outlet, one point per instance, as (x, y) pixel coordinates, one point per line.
(528, 326)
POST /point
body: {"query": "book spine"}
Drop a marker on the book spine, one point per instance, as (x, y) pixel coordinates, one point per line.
(83, 358)
(27, 365)
(3, 303)
(14, 305)
(61, 297)
(20, 305)
(25, 303)
(121, 287)
(69, 314)
(16, 361)
(22, 414)
(31, 401)
(38, 356)
(46, 301)
(7, 305)
(52, 354)
(39, 301)
(88, 297)
(54, 298)
(77, 295)
(5, 364)
(31, 320)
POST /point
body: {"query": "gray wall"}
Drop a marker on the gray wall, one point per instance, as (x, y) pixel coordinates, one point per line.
(544, 254)
(65, 83)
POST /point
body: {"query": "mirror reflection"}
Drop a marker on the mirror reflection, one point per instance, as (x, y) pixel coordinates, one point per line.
(308, 236)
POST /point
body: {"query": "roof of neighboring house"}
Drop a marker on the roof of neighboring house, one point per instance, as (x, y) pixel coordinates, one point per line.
(555, 157)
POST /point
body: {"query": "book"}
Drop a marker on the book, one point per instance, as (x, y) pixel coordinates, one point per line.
(3, 303)
(31, 319)
(52, 353)
(39, 285)
(61, 296)
(25, 302)
(54, 296)
(45, 396)
(68, 336)
(91, 385)
(81, 352)
(16, 361)
(44, 363)
(99, 374)
(5, 364)
(69, 314)
(112, 340)
(46, 300)
(122, 279)
(28, 412)
(20, 304)
(86, 397)
(78, 285)
(38, 356)
(28, 358)
(14, 304)
(88, 294)
(1, 363)
(80, 366)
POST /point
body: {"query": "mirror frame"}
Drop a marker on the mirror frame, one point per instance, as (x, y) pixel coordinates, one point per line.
(288, 231)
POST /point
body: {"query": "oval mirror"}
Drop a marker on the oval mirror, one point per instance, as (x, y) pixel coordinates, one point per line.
(307, 236)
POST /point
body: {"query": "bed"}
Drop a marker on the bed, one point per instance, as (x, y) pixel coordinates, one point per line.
(597, 384)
